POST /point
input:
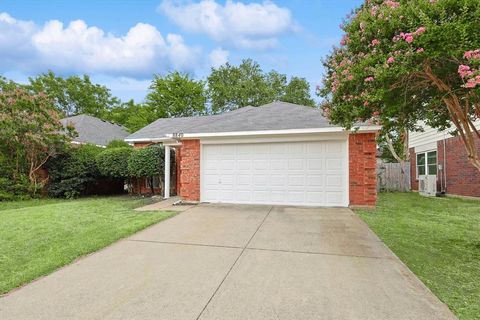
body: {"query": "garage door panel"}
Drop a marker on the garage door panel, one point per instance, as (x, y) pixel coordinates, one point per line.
(298, 173)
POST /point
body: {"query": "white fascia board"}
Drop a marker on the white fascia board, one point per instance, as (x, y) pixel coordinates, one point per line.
(169, 137)
(148, 139)
(277, 132)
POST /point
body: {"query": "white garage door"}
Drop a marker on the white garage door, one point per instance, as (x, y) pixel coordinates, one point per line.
(293, 173)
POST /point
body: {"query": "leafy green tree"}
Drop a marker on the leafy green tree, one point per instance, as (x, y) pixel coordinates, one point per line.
(298, 91)
(75, 95)
(277, 84)
(147, 163)
(176, 95)
(132, 116)
(409, 60)
(231, 87)
(30, 132)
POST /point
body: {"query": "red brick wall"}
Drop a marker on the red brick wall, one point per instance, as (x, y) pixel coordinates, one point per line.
(362, 167)
(188, 160)
(462, 177)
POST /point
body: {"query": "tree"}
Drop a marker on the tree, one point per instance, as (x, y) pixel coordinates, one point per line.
(404, 61)
(298, 91)
(30, 132)
(176, 95)
(147, 163)
(75, 95)
(231, 87)
(131, 115)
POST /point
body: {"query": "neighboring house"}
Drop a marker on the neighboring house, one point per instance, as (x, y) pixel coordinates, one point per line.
(280, 153)
(441, 158)
(94, 130)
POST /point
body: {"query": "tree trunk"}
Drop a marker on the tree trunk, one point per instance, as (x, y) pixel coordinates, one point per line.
(459, 114)
(151, 185)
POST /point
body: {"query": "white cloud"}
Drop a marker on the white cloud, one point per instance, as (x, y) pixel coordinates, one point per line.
(218, 57)
(78, 47)
(253, 25)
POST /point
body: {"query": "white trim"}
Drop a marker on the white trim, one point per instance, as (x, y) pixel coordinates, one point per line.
(167, 173)
(276, 138)
(347, 174)
(169, 137)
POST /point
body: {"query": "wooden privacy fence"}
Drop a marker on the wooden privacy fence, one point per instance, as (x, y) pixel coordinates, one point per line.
(390, 177)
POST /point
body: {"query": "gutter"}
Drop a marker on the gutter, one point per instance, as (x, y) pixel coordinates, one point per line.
(174, 137)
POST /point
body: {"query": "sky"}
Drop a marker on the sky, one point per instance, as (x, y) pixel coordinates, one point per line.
(121, 44)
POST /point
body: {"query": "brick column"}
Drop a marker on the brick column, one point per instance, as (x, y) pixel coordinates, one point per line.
(363, 169)
(188, 164)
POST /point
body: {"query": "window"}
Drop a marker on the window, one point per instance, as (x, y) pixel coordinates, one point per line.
(427, 163)
(156, 182)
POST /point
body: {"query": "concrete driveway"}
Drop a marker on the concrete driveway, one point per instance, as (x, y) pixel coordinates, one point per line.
(235, 262)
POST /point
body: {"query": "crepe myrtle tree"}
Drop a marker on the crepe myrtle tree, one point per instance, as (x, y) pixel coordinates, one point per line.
(408, 60)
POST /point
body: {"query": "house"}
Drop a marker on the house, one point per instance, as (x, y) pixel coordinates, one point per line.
(440, 157)
(94, 130)
(279, 153)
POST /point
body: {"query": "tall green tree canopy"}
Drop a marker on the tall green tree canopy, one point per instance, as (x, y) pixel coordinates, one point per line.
(176, 95)
(131, 115)
(75, 95)
(404, 61)
(231, 87)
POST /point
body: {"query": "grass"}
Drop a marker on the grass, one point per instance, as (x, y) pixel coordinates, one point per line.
(439, 240)
(39, 236)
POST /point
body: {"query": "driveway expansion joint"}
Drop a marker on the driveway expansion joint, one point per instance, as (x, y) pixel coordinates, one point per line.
(234, 263)
(320, 253)
(185, 244)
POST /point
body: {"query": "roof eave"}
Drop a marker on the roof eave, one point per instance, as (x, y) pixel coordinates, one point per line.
(170, 137)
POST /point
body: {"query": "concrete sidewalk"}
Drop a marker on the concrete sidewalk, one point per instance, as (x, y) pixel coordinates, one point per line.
(235, 262)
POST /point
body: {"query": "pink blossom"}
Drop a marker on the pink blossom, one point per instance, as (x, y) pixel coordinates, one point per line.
(420, 30)
(477, 79)
(350, 77)
(409, 38)
(464, 71)
(366, 103)
(419, 50)
(472, 54)
(391, 60)
(471, 83)
(369, 79)
(375, 42)
(392, 4)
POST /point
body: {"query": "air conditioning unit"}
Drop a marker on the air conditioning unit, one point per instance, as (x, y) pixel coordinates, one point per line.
(427, 186)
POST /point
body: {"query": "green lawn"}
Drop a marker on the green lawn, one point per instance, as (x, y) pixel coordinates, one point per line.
(39, 236)
(439, 240)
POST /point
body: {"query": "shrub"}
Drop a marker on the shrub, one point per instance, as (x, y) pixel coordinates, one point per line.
(14, 190)
(70, 173)
(114, 162)
(118, 144)
(147, 162)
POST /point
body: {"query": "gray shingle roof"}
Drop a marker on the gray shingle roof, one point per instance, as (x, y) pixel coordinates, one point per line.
(94, 130)
(272, 116)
